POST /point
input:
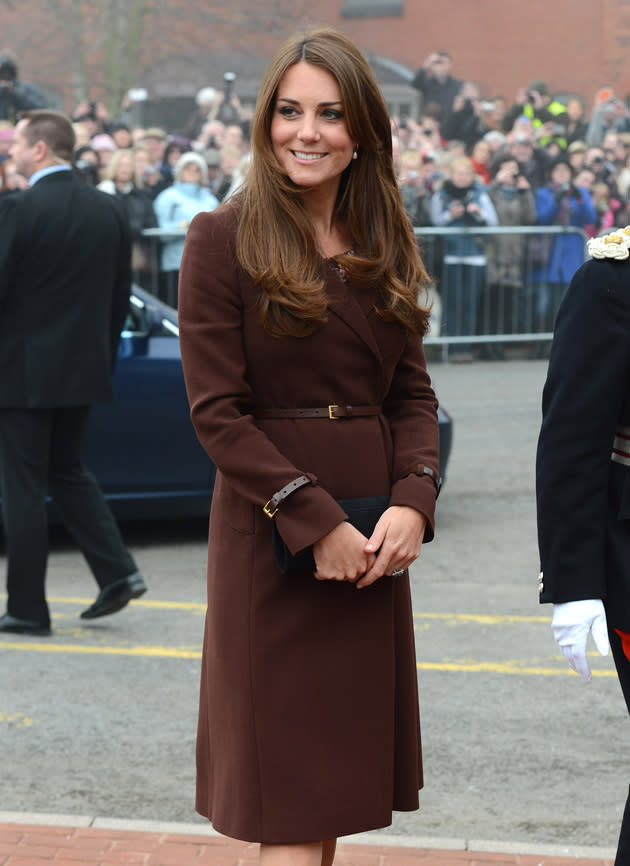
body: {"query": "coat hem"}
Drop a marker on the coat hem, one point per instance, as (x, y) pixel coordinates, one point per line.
(289, 839)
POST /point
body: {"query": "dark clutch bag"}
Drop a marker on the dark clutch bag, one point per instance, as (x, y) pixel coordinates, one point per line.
(363, 513)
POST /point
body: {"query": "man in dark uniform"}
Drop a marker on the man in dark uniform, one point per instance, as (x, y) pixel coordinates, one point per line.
(583, 469)
(65, 256)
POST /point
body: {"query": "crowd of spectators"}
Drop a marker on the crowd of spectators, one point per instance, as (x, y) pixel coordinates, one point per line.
(536, 160)
(465, 160)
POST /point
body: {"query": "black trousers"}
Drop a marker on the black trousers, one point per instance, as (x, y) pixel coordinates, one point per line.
(623, 672)
(40, 454)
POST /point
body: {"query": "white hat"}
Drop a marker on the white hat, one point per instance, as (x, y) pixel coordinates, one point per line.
(191, 157)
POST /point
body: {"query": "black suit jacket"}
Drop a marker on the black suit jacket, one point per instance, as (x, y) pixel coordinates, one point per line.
(65, 278)
(583, 497)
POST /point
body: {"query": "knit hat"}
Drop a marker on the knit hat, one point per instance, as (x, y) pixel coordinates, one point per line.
(194, 158)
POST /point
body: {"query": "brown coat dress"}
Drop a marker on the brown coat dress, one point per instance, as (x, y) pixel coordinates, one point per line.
(308, 721)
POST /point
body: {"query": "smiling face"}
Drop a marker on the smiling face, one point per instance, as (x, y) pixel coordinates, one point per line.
(309, 136)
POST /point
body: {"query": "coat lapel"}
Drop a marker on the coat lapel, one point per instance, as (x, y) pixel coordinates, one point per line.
(343, 303)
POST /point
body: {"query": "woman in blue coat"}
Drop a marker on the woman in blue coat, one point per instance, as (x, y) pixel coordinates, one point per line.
(174, 208)
(562, 203)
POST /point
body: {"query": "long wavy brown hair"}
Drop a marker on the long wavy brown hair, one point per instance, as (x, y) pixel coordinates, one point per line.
(276, 242)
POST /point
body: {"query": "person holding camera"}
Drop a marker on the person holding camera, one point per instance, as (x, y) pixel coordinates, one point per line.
(462, 202)
(466, 122)
(436, 84)
(413, 189)
(604, 170)
(609, 113)
(559, 202)
(228, 109)
(15, 95)
(515, 205)
(547, 114)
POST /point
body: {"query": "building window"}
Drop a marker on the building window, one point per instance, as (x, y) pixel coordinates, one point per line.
(372, 8)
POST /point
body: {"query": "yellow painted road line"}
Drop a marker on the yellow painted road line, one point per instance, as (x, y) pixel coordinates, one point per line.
(155, 605)
(480, 619)
(505, 668)
(82, 649)
(511, 668)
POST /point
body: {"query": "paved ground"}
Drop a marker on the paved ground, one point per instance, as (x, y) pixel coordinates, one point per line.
(516, 748)
(73, 843)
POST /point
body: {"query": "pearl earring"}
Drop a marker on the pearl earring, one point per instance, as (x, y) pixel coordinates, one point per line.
(355, 153)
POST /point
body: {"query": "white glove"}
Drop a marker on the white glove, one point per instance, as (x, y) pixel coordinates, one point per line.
(571, 623)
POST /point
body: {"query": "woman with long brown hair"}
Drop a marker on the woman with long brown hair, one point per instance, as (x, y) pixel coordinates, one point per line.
(301, 337)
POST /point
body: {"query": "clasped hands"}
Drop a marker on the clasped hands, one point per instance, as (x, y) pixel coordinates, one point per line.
(345, 554)
(571, 623)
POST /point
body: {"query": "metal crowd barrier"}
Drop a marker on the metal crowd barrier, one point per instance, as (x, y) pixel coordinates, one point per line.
(497, 285)
(491, 286)
(162, 284)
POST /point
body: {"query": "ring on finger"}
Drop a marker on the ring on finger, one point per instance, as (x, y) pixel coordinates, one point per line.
(397, 572)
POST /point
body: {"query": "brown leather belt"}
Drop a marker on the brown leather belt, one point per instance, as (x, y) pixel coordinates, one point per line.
(332, 411)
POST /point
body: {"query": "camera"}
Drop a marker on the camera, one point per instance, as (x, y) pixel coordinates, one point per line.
(137, 94)
(228, 83)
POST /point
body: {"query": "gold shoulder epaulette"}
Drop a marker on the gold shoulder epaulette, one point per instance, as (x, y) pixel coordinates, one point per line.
(615, 245)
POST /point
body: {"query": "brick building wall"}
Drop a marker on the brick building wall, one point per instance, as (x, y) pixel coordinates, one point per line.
(574, 45)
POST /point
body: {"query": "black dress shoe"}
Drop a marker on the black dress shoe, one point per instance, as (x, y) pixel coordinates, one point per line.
(14, 625)
(117, 595)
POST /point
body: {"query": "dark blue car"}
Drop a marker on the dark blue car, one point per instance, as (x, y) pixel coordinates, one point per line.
(143, 448)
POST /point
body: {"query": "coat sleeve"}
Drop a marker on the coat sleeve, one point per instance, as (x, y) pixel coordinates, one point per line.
(167, 207)
(8, 234)
(440, 213)
(411, 410)
(585, 391)
(122, 287)
(215, 370)
(528, 207)
(546, 207)
(582, 208)
(487, 210)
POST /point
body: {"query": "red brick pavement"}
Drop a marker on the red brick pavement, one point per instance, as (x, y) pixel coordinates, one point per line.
(37, 845)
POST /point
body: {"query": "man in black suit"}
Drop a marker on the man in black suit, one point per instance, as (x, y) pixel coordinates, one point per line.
(64, 292)
(583, 469)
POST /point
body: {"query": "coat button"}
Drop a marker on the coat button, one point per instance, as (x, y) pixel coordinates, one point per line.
(541, 585)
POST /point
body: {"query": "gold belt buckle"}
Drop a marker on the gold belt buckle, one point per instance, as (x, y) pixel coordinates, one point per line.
(332, 407)
(269, 510)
